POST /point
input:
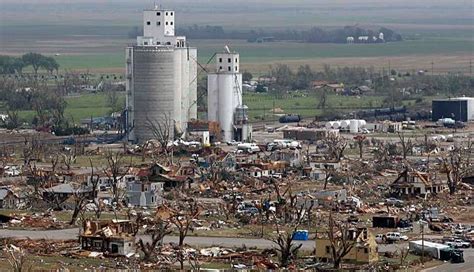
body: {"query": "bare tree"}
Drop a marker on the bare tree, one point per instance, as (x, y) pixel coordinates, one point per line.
(336, 146)
(403, 254)
(94, 182)
(360, 139)
(116, 169)
(162, 130)
(80, 198)
(182, 218)
(284, 240)
(323, 94)
(455, 163)
(68, 158)
(16, 257)
(406, 143)
(157, 229)
(341, 240)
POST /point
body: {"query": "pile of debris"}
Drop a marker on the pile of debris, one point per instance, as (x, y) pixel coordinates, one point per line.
(35, 222)
(44, 247)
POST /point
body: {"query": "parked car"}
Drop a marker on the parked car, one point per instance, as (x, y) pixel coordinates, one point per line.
(458, 243)
(394, 201)
(380, 238)
(395, 237)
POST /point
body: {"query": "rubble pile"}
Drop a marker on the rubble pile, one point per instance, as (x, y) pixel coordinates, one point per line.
(45, 247)
(35, 221)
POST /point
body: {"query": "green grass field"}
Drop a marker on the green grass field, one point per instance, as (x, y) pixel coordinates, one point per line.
(79, 107)
(253, 55)
(260, 105)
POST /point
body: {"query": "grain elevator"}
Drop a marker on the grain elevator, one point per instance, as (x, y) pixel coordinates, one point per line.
(225, 98)
(161, 73)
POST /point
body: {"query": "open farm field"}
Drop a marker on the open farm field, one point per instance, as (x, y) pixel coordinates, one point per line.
(94, 39)
(79, 107)
(262, 106)
(107, 55)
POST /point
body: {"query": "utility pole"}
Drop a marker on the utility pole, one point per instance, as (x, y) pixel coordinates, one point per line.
(422, 244)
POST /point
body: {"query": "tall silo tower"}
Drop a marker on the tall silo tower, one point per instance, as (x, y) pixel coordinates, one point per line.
(225, 98)
(161, 78)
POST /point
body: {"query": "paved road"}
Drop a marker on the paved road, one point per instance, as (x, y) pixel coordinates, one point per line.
(191, 240)
(467, 266)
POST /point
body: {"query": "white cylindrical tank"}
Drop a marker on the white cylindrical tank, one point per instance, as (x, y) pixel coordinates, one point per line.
(226, 107)
(345, 124)
(329, 124)
(354, 126)
(336, 125)
(362, 123)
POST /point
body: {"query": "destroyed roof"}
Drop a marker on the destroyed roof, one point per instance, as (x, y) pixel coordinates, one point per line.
(165, 168)
(403, 177)
(107, 228)
(67, 188)
(3, 193)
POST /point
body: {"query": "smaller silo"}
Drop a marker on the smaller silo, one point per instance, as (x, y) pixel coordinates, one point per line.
(329, 125)
(336, 125)
(354, 126)
(345, 124)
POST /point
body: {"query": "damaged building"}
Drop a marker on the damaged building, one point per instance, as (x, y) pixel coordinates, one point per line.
(364, 250)
(113, 238)
(415, 183)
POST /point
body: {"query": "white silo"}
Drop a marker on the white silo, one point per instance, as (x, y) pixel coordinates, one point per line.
(345, 124)
(362, 123)
(225, 97)
(161, 73)
(329, 125)
(336, 125)
(354, 126)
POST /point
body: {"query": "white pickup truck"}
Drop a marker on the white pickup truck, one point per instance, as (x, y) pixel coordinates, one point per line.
(458, 244)
(395, 236)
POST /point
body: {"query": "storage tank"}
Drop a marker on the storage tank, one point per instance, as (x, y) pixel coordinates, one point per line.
(362, 123)
(290, 118)
(329, 125)
(345, 124)
(154, 86)
(354, 126)
(336, 125)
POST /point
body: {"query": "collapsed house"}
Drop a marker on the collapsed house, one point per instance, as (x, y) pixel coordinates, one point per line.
(113, 238)
(364, 250)
(319, 169)
(10, 199)
(60, 194)
(415, 183)
(171, 178)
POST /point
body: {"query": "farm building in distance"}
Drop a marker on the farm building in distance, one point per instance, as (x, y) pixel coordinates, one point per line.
(459, 109)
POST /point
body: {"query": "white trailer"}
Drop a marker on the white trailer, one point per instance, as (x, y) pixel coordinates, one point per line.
(429, 248)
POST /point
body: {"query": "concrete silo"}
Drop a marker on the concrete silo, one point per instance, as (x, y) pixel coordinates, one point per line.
(161, 78)
(225, 98)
